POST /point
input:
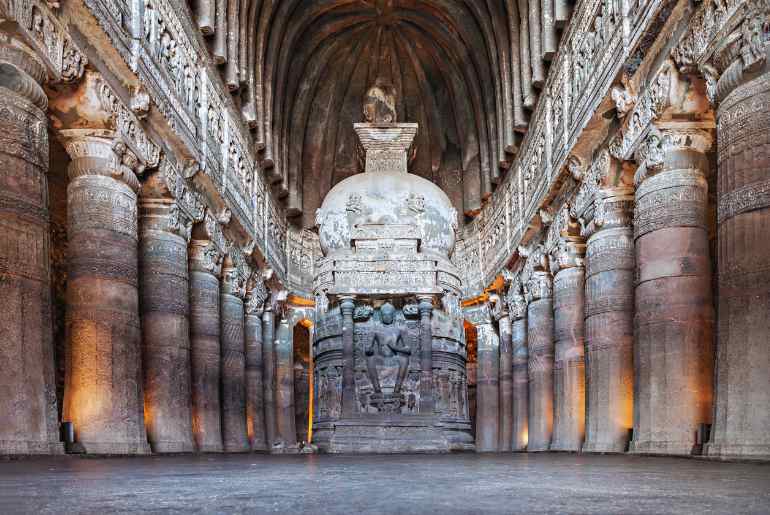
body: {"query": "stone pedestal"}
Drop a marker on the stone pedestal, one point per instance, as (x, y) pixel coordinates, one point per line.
(742, 414)
(268, 374)
(673, 355)
(234, 433)
(569, 363)
(103, 386)
(286, 424)
(386, 435)
(541, 352)
(506, 383)
(609, 339)
(255, 399)
(205, 267)
(165, 326)
(487, 389)
(520, 424)
(28, 399)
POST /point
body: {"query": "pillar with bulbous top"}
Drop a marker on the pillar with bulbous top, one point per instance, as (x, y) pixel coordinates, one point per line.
(347, 305)
(426, 355)
(569, 362)
(520, 365)
(506, 380)
(487, 387)
(673, 325)
(609, 324)
(742, 414)
(165, 325)
(268, 374)
(28, 401)
(205, 268)
(540, 365)
(233, 381)
(284, 385)
(255, 399)
(103, 393)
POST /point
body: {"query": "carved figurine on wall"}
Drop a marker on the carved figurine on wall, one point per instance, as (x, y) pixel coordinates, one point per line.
(388, 339)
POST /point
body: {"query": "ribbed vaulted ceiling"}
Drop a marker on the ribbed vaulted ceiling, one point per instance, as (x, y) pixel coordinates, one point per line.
(465, 70)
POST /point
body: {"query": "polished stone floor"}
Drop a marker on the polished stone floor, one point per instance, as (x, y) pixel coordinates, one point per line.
(463, 483)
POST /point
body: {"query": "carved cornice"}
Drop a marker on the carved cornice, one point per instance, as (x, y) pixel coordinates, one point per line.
(43, 31)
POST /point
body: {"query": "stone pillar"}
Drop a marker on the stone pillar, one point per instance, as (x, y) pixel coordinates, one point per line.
(103, 386)
(741, 418)
(674, 349)
(255, 399)
(347, 305)
(569, 361)
(165, 325)
(520, 363)
(205, 268)
(487, 384)
(284, 385)
(426, 355)
(506, 377)
(609, 324)
(234, 432)
(28, 399)
(541, 350)
(268, 374)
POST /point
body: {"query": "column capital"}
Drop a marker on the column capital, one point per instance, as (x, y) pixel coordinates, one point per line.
(101, 152)
(425, 304)
(205, 257)
(22, 70)
(347, 304)
(499, 307)
(663, 147)
(256, 295)
(162, 214)
(539, 286)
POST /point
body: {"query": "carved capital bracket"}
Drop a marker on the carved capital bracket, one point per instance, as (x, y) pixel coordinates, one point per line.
(515, 299)
(101, 152)
(205, 257)
(664, 141)
(256, 294)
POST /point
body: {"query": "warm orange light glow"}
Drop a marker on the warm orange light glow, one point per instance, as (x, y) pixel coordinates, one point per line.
(296, 300)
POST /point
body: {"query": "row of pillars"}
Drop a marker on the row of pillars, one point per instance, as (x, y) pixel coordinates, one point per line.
(166, 351)
(609, 343)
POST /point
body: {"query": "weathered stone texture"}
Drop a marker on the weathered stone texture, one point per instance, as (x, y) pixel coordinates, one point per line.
(540, 367)
(233, 395)
(569, 359)
(609, 339)
(255, 398)
(506, 384)
(284, 385)
(165, 303)
(27, 388)
(520, 426)
(488, 389)
(268, 375)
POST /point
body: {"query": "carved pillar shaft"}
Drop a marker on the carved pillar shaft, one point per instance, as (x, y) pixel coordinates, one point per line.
(234, 433)
(255, 399)
(426, 356)
(268, 375)
(609, 339)
(205, 267)
(347, 306)
(487, 389)
(743, 360)
(541, 351)
(506, 384)
(165, 326)
(520, 359)
(569, 362)
(26, 347)
(673, 354)
(103, 387)
(284, 384)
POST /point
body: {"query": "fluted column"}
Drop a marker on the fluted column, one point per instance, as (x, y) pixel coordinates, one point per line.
(28, 401)
(743, 185)
(609, 323)
(164, 293)
(506, 375)
(569, 359)
(103, 387)
(347, 305)
(674, 348)
(255, 399)
(541, 350)
(284, 383)
(234, 432)
(487, 384)
(520, 363)
(268, 374)
(205, 268)
(426, 355)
